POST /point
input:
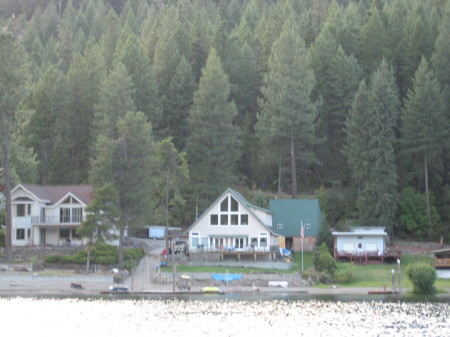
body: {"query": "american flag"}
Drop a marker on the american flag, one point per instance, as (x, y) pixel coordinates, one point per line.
(302, 232)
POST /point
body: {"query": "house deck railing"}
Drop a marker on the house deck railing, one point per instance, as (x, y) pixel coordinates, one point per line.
(56, 220)
(367, 256)
(219, 249)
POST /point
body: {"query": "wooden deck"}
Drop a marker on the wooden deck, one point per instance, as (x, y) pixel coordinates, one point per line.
(256, 255)
(442, 258)
(367, 257)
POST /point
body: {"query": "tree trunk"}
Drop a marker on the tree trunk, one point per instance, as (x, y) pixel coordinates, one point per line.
(88, 258)
(121, 234)
(166, 201)
(293, 170)
(7, 191)
(427, 192)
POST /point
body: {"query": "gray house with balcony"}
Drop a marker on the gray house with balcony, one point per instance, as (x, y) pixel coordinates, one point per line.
(48, 215)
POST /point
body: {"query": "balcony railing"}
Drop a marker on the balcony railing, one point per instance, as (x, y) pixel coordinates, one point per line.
(56, 220)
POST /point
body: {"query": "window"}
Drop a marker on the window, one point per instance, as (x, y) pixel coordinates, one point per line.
(244, 219)
(195, 240)
(279, 226)
(224, 219)
(20, 234)
(263, 242)
(77, 214)
(234, 205)
(234, 218)
(75, 234)
(64, 215)
(20, 210)
(64, 233)
(254, 242)
(214, 219)
(224, 205)
(360, 245)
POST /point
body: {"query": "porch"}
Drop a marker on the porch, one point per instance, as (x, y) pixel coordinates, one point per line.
(367, 257)
(250, 254)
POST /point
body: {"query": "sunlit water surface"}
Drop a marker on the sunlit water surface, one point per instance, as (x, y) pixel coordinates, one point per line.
(226, 315)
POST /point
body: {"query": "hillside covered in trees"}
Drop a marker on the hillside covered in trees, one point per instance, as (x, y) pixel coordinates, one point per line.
(173, 101)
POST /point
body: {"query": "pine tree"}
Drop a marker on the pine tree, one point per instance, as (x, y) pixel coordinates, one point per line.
(370, 149)
(128, 162)
(337, 78)
(74, 127)
(12, 80)
(288, 114)
(101, 218)
(130, 52)
(174, 172)
(373, 42)
(116, 99)
(425, 127)
(178, 102)
(441, 57)
(49, 100)
(212, 145)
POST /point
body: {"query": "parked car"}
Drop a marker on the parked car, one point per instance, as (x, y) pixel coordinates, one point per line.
(179, 247)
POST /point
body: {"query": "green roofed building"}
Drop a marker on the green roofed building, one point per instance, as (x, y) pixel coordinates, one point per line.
(288, 215)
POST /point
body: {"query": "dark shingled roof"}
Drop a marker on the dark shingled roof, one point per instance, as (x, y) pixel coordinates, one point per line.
(56, 192)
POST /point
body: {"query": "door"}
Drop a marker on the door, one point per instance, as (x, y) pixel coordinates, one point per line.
(42, 236)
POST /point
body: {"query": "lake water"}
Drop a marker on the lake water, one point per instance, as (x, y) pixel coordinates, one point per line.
(227, 315)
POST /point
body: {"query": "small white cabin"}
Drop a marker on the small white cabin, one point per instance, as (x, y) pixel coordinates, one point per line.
(361, 241)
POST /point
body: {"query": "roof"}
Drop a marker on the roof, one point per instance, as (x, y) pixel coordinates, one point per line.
(242, 200)
(363, 231)
(53, 194)
(291, 213)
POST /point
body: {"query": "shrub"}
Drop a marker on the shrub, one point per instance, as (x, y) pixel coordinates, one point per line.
(344, 275)
(128, 265)
(2, 238)
(77, 258)
(105, 260)
(422, 276)
(53, 259)
(133, 253)
(323, 261)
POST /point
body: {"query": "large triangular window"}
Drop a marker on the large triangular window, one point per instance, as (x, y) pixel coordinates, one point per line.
(224, 205)
(234, 205)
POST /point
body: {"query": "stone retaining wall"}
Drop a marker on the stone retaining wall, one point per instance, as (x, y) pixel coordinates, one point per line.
(411, 247)
(30, 254)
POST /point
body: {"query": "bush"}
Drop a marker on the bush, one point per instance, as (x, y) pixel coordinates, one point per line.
(2, 238)
(344, 275)
(133, 254)
(53, 259)
(422, 276)
(323, 261)
(77, 258)
(128, 265)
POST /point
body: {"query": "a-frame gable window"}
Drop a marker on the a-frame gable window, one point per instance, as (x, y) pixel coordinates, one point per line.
(224, 205)
(234, 205)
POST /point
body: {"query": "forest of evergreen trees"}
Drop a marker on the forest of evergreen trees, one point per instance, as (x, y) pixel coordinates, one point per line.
(173, 101)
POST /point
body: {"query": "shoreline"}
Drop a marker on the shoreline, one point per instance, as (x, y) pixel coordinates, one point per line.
(30, 284)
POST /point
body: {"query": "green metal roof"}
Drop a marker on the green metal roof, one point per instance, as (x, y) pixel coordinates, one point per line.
(288, 214)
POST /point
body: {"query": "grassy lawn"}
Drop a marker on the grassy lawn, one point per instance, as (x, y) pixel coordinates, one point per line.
(307, 263)
(373, 276)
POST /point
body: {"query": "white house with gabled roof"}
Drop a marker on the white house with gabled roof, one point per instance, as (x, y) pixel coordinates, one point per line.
(232, 223)
(48, 215)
